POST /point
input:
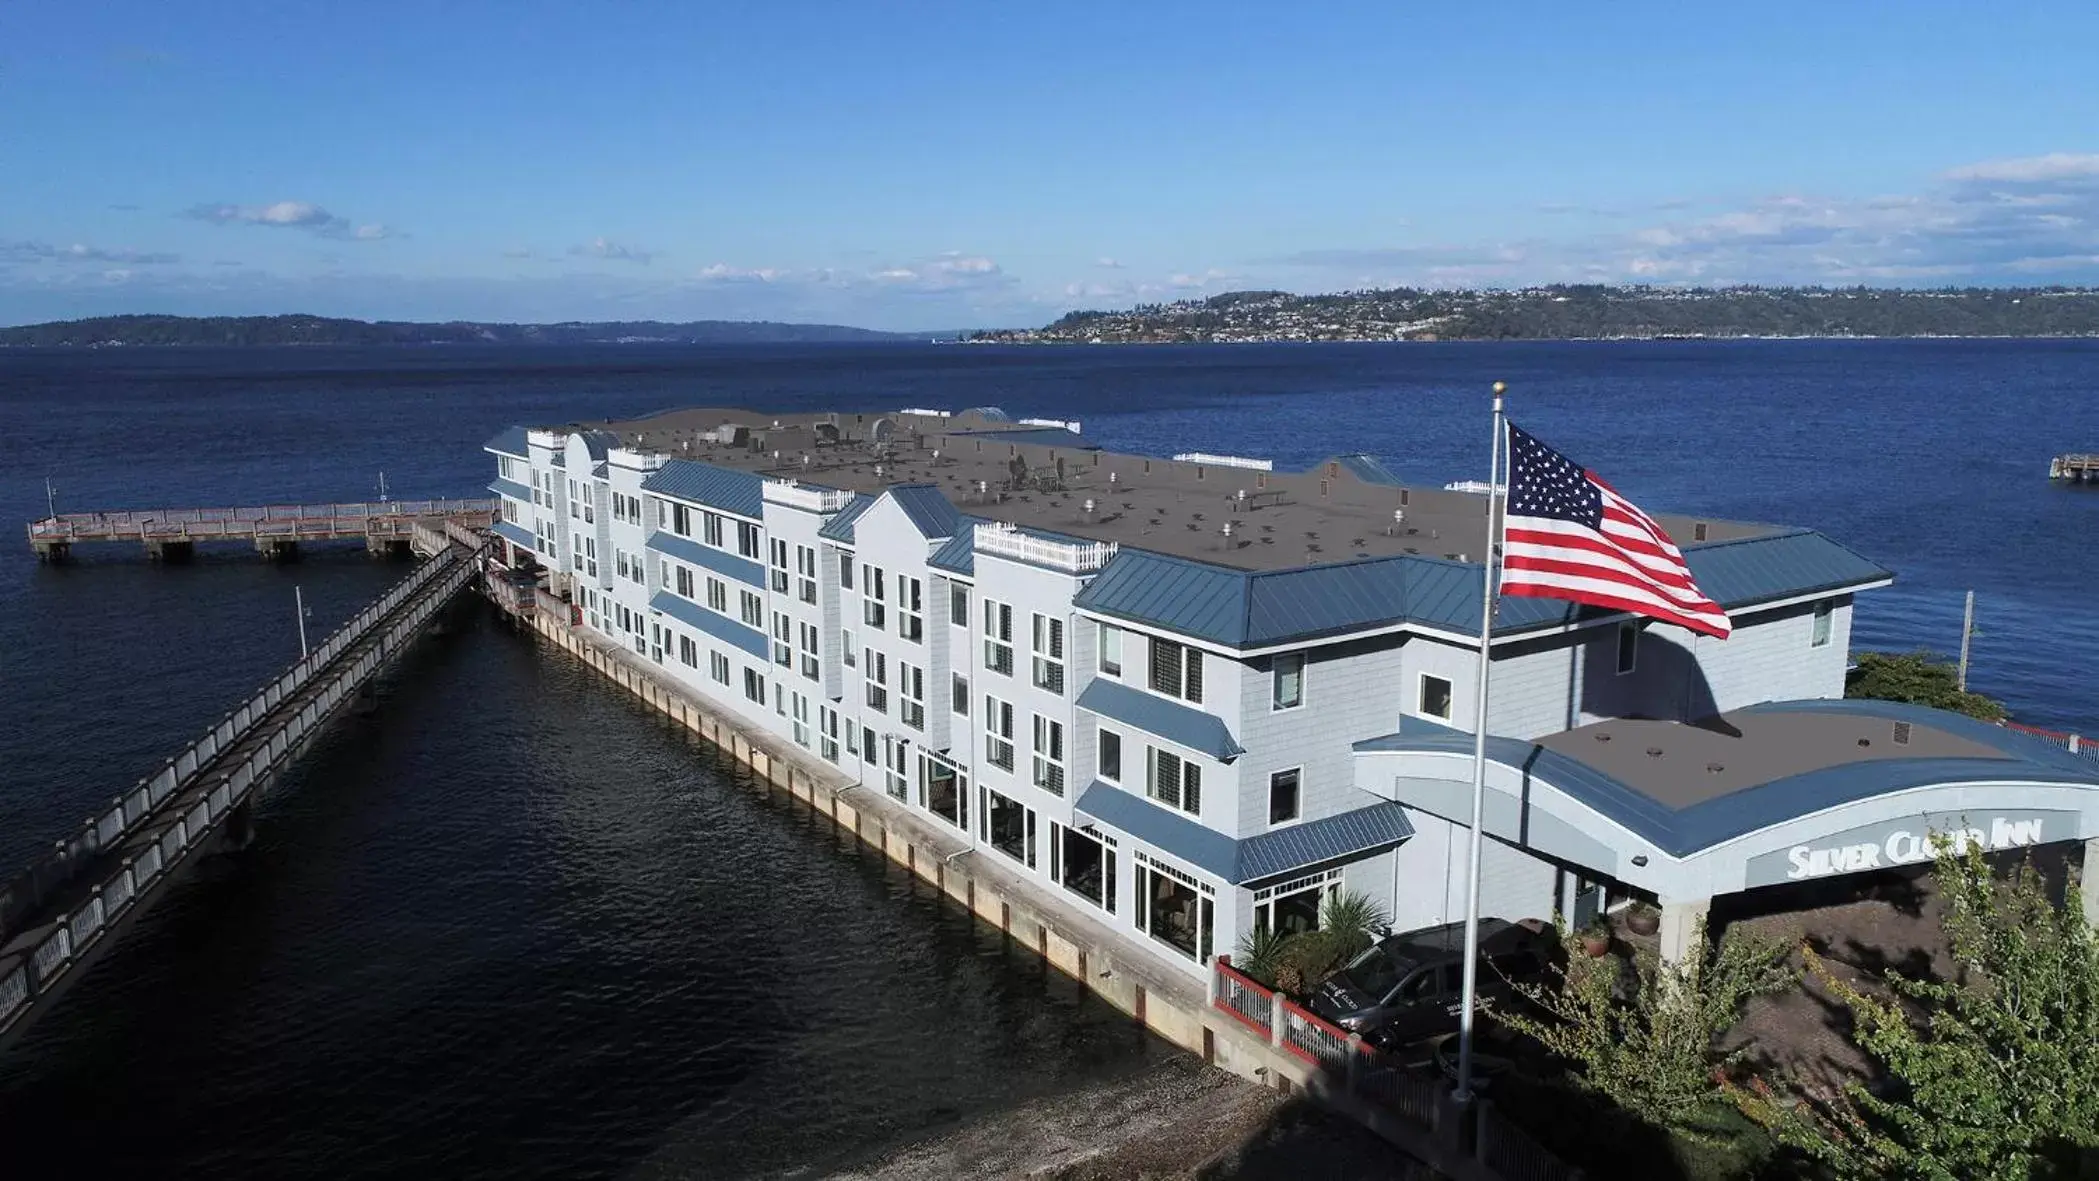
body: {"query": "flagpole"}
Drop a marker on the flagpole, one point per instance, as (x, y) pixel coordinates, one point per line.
(1489, 561)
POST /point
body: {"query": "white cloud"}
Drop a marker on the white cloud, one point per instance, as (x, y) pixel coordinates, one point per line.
(78, 252)
(294, 215)
(724, 273)
(2031, 169)
(372, 232)
(1107, 264)
(614, 251)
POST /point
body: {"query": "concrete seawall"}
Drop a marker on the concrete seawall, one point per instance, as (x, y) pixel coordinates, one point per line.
(1173, 1007)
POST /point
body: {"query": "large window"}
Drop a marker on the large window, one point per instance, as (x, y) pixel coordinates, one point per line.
(998, 733)
(947, 791)
(681, 520)
(1173, 781)
(805, 573)
(1110, 650)
(754, 685)
(1175, 909)
(911, 695)
(1177, 670)
(1283, 795)
(911, 608)
(800, 715)
(877, 670)
(684, 580)
(874, 585)
(1109, 745)
(752, 607)
(688, 652)
(1824, 612)
(810, 637)
(718, 595)
(1048, 645)
(779, 571)
(896, 762)
(958, 689)
(711, 529)
(718, 667)
(1049, 755)
(1292, 908)
(958, 604)
(1435, 697)
(783, 640)
(1083, 865)
(827, 733)
(845, 570)
(747, 540)
(998, 637)
(1288, 690)
(1009, 827)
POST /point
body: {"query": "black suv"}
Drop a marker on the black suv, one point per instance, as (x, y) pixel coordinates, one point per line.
(1409, 986)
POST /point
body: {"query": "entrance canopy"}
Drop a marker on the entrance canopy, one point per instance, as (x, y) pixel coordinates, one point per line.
(1773, 793)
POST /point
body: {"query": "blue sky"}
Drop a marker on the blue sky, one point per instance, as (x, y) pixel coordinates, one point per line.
(947, 165)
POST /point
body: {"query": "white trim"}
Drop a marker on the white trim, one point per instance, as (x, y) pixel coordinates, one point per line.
(1304, 668)
(1274, 825)
(1421, 684)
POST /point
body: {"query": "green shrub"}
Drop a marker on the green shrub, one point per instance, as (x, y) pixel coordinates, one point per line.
(1260, 951)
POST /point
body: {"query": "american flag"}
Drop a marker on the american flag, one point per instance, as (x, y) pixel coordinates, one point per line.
(1567, 535)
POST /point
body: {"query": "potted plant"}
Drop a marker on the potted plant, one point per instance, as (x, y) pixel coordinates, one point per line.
(1596, 937)
(1641, 918)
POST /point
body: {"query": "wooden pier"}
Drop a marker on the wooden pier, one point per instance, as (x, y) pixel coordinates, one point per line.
(72, 903)
(274, 530)
(2076, 469)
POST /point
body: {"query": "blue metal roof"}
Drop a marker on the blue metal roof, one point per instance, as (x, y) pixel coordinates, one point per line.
(1187, 726)
(511, 442)
(516, 533)
(707, 557)
(721, 627)
(741, 493)
(1683, 831)
(840, 526)
(1333, 838)
(1041, 436)
(958, 555)
(931, 513)
(1368, 468)
(510, 488)
(597, 443)
(1249, 609)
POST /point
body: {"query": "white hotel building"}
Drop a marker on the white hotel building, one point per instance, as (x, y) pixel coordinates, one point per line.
(1191, 696)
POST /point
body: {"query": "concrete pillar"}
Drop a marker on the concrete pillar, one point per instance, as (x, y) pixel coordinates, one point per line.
(1680, 927)
(169, 551)
(51, 551)
(2088, 881)
(277, 549)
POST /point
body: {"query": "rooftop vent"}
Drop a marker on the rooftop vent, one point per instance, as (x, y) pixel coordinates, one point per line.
(1902, 734)
(1654, 752)
(1698, 531)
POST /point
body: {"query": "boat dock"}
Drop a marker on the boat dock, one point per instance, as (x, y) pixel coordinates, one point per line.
(2076, 469)
(72, 902)
(275, 530)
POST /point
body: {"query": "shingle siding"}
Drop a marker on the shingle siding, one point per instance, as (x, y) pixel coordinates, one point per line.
(1348, 695)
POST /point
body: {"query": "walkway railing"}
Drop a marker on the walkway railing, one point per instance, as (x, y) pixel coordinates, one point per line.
(151, 838)
(264, 521)
(2076, 744)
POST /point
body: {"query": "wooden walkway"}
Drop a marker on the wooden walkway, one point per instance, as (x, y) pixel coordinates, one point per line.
(276, 528)
(73, 902)
(2077, 469)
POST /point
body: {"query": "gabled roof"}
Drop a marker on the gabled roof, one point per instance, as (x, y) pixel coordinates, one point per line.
(1253, 609)
(1350, 834)
(840, 527)
(958, 555)
(930, 512)
(742, 493)
(511, 442)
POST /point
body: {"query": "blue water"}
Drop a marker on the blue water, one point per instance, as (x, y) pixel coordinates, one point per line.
(513, 925)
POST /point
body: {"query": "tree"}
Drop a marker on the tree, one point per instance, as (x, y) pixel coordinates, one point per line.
(1991, 1074)
(1918, 678)
(1644, 1034)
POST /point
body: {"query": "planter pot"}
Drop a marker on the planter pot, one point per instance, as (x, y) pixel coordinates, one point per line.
(1643, 920)
(1596, 945)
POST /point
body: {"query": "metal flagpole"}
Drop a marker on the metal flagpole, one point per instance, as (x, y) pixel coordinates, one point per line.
(1967, 633)
(1495, 499)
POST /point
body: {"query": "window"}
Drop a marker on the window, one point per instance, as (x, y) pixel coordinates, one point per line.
(800, 731)
(809, 636)
(779, 567)
(1628, 647)
(877, 667)
(998, 733)
(1289, 677)
(1009, 827)
(1049, 755)
(1283, 795)
(958, 604)
(911, 693)
(874, 585)
(747, 540)
(681, 520)
(959, 690)
(805, 573)
(845, 646)
(718, 667)
(1110, 761)
(845, 570)
(1048, 645)
(852, 740)
(754, 685)
(783, 640)
(718, 595)
(1173, 781)
(1111, 651)
(688, 652)
(896, 754)
(1173, 908)
(711, 529)
(947, 792)
(1083, 865)
(1824, 612)
(1435, 697)
(911, 608)
(684, 576)
(827, 733)
(1177, 670)
(1292, 908)
(753, 608)
(998, 638)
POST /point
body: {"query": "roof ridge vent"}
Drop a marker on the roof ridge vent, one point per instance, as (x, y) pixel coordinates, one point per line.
(1902, 734)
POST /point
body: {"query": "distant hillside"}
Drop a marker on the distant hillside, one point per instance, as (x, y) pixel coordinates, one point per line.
(1581, 312)
(298, 329)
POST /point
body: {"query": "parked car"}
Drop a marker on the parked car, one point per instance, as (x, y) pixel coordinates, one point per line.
(1409, 986)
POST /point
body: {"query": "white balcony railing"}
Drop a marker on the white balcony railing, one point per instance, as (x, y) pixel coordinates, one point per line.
(1079, 557)
(807, 496)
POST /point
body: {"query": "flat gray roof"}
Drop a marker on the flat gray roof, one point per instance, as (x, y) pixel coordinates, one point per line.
(1683, 764)
(1284, 520)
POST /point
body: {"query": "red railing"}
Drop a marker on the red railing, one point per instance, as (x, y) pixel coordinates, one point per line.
(1316, 1040)
(2076, 744)
(1243, 998)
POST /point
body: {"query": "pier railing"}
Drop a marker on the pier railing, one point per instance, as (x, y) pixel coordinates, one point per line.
(2076, 744)
(123, 827)
(391, 517)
